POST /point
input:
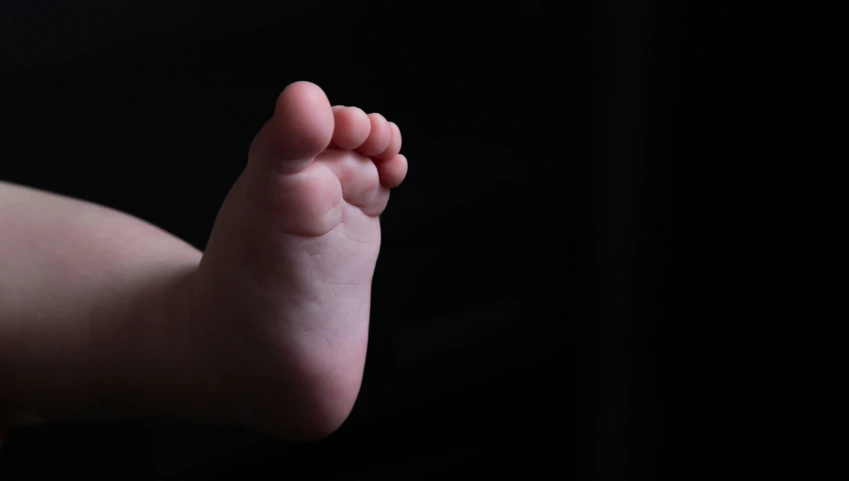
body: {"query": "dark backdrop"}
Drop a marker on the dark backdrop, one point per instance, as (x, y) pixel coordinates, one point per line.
(669, 303)
(721, 234)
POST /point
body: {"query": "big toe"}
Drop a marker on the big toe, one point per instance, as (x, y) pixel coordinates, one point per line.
(300, 129)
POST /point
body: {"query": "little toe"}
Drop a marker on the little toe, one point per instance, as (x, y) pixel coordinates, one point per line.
(392, 171)
(378, 138)
(352, 127)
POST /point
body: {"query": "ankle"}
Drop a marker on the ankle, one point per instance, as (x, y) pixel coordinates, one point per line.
(148, 363)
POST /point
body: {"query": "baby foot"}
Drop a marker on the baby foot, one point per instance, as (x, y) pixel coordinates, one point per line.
(282, 294)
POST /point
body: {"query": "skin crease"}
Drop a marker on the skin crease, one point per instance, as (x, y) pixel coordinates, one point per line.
(106, 317)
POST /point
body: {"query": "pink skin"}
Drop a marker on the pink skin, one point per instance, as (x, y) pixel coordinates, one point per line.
(270, 330)
(293, 251)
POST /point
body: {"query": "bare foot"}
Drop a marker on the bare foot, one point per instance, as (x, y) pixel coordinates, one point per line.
(281, 298)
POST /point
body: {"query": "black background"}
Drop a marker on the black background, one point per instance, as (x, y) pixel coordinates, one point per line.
(669, 303)
(718, 142)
